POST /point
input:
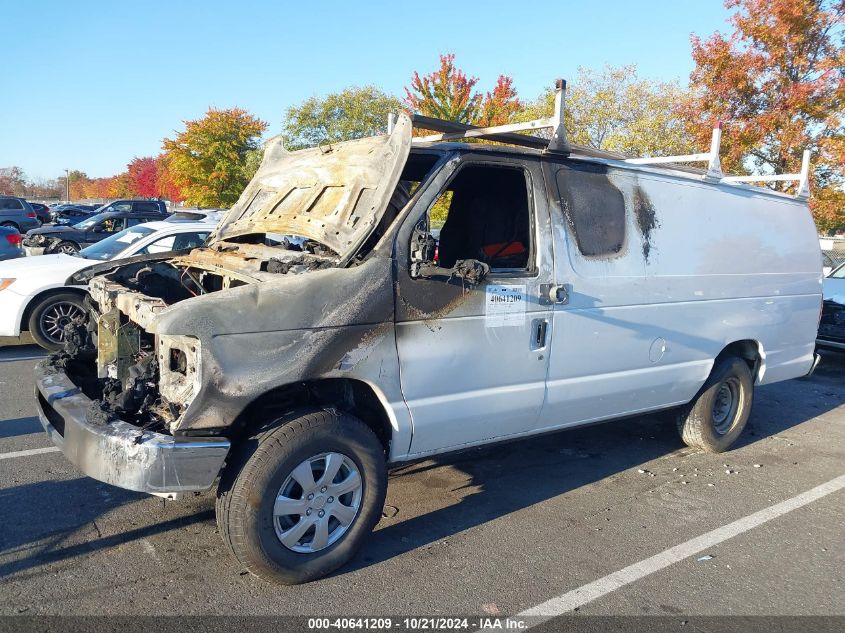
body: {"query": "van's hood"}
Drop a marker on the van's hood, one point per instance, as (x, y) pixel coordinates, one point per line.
(334, 194)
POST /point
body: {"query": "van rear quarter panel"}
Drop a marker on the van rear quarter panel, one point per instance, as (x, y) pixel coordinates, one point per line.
(701, 266)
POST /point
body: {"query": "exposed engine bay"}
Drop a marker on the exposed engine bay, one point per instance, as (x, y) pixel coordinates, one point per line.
(123, 365)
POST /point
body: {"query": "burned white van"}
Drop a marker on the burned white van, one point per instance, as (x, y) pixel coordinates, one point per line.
(385, 299)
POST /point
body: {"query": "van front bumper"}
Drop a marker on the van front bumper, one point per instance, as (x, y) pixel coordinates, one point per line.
(120, 453)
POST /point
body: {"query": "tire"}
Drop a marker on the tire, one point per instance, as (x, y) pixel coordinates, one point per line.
(66, 247)
(717, 415)
(49, 316)
(11, 225)
(263, 468)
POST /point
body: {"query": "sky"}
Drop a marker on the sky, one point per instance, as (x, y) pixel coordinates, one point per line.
(89, 85)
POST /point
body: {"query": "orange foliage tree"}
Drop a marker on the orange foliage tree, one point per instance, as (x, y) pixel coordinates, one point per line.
(448, 93)
(778, 84)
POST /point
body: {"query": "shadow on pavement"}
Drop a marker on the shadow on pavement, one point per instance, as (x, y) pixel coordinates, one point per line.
(14, 353)
(19, 426)
(39, 520)
(510, 477)
(496, 481)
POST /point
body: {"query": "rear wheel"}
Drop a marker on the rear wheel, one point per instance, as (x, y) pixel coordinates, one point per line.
(717, 415)
(298, 500)
(11, 225)
(49, 317)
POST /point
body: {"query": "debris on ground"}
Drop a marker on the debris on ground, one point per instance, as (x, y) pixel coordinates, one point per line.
(706, 557)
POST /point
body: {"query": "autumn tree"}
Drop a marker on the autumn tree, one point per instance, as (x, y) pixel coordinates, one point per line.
(448, 93)
(167, 186)
(207, 159)
(80, 185)
(12, 180)
(354, 112)
(501, 105)
(778, 84)
(613, 109)
(143, 177)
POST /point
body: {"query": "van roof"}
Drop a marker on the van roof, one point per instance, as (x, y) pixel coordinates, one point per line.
(602, 157)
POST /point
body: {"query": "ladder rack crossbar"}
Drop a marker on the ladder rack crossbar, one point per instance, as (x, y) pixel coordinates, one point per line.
(476, 132)
(769, 178)
(657, 160)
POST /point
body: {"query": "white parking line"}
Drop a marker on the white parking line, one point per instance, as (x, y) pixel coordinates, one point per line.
(603, 586)
(32, 451)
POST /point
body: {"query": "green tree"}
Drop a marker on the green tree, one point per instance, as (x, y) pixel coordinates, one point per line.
(615, 110)
(207, 160)
(354, 112)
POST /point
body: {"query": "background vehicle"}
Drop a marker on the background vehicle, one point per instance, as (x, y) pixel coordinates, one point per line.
(135, 206)
(42, 211)
(832, 323)
(10, 243)
(34, 297)
(71, 239)
(69, 214)
(16, 213)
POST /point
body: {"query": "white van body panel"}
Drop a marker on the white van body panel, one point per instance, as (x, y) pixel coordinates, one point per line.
(642, 326)
(724, 264)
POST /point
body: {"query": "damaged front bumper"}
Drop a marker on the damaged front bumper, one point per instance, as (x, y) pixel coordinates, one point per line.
(120, 453)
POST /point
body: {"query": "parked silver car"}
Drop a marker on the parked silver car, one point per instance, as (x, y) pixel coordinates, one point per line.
(18, 214)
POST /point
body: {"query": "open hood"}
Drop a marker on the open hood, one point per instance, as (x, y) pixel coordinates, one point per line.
(334, 194)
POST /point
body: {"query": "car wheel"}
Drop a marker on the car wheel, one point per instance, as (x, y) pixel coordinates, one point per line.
(68, 248)
(717, 415)
(11, 225)
(297, 501)
(50, 315)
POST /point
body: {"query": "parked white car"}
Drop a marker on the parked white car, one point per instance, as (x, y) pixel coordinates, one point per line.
(34, 296)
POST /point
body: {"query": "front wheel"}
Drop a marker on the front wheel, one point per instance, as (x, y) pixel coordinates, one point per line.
(298, 500)
(65, 247)
(50, 315)
(717, 415)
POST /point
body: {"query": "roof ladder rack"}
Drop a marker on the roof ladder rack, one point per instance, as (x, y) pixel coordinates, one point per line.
(714, 167)
(451, 130)
(803, 178)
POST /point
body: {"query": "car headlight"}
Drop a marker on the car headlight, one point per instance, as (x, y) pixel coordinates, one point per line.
(6, 282)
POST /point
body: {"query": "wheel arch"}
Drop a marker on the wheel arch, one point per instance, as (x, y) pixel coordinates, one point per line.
(59, 240)
(357, 397)
(752, 352)
(36, 299)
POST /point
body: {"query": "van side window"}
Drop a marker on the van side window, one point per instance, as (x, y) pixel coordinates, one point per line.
(594, 209)
(483, 214)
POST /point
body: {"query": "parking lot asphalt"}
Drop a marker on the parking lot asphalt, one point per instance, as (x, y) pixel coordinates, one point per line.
(496, 530)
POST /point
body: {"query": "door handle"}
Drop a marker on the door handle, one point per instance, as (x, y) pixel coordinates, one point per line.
(539, 331)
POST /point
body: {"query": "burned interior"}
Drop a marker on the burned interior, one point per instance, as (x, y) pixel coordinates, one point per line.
(479, 222)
